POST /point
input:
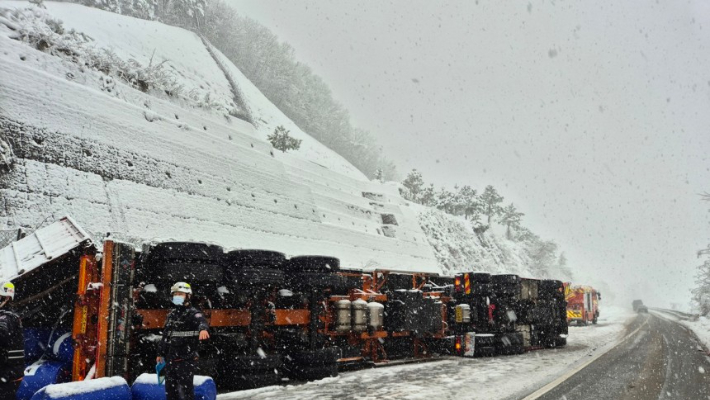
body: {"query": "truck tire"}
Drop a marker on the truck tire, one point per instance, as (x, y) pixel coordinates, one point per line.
(190, 272)
(488, 351)
(312, 264)
(480, 277)
(326, 356)
(314, 373)
(315, 280)
(243, 381)
(185, 251)
(246, 278)
(207, 367)
(485, 341)
(256, 363)
(314, 364)
(560, 342)
(511, 343)
(248, 372)
(505, 279)
(549, 289)
(254, 258)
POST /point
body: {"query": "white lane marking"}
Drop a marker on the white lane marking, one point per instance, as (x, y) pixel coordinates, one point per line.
(669, 368)
(543, 390)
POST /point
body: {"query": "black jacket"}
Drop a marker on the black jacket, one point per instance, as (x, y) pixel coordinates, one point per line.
(12, 347)
(181, 333)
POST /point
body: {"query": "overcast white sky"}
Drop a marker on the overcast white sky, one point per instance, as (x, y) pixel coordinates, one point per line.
(592, 118)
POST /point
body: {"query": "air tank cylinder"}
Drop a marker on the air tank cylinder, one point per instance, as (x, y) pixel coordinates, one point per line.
(343, 315)
(359, 310)
(377, 315)
(462, 313)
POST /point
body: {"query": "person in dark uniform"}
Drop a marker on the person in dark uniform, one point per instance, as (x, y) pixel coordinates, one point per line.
(184, 328)
(12, 345)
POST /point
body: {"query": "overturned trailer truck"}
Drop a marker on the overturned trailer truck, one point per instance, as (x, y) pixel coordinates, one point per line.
(271, 317)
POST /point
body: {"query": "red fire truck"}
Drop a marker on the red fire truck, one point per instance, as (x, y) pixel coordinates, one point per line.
(582, 304)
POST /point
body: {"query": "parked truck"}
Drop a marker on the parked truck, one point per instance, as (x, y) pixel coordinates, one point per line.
(639, 307)
(582, 304)
(271, 317)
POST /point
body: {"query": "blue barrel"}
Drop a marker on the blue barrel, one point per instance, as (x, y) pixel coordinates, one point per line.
(146, 387)
(114, 388)
(62, 346)
(36, 343)
(41, 374)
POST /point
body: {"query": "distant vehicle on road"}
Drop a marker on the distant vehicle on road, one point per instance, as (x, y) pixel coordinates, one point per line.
(642, 309)
(635, 304)
(582, 304)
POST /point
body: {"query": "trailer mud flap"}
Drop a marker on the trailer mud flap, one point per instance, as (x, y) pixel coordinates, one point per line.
(466, 344)
(469, 344)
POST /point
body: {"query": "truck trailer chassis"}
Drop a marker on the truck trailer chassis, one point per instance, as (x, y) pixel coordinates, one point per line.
(301, 318)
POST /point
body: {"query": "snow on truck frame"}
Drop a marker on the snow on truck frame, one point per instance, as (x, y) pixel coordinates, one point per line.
(271, 317)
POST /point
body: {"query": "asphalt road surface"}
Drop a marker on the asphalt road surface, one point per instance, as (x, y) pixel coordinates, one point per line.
(659, 359)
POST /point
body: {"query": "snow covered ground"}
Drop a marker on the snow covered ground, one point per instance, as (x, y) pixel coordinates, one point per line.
(700, 325)
(148, 164)
(458, 378)
(145, 165)
(701, 328)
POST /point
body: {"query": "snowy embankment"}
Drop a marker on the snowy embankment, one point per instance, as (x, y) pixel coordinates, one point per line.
(700, 326)
(146, 163)
(458, 378)
(129, 126)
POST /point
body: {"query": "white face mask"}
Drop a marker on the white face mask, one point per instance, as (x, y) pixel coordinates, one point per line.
(178, 300)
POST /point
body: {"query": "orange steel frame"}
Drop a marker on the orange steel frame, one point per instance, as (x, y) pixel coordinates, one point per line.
(92, 339)
(369, 342)
(86, 306)
(103, 312)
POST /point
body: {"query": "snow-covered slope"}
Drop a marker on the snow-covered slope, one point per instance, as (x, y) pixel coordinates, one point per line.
(146, 165)
(82, 133)
(457, 248)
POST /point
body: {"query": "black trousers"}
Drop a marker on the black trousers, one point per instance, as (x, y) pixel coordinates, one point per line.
(8, 390)
(178, 379)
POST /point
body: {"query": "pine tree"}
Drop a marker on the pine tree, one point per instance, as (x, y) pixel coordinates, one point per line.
(491, 200)
(281, 140)
(470, 203)
(428, 196)
(510, 217)
(701, 292)
(414, 183)
(445, 201)
(543, 257)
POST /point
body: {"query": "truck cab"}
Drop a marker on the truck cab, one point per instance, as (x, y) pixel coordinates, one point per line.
(582, 304)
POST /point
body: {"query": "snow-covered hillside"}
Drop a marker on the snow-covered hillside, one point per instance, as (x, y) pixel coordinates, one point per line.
(129, 126)
(144, 164)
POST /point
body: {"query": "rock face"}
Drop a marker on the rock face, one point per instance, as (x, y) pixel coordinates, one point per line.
(141, 167)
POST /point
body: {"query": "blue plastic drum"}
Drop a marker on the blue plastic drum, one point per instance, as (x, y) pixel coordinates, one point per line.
(40, 374)
(146, 387)
(114, 388)
(36, 343)
(61, 346)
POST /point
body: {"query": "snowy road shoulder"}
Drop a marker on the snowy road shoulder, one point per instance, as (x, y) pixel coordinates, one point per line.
(700, 326)
(482, 378)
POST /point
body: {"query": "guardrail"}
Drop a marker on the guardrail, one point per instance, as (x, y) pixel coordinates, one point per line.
(679, 314)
